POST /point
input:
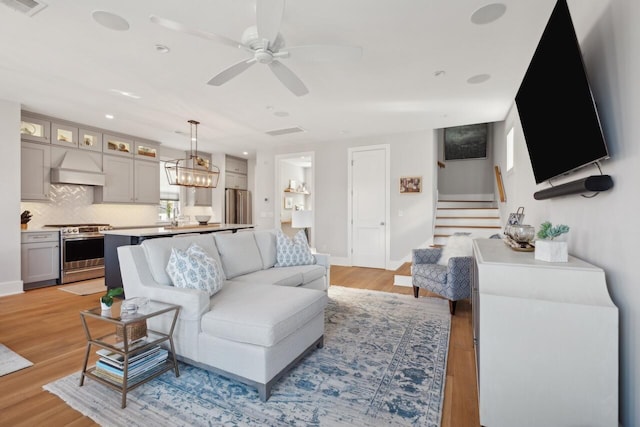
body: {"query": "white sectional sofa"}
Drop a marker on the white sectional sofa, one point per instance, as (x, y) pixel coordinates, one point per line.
(262, 321)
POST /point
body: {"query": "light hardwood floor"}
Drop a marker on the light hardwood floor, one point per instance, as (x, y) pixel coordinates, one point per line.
(43, 325)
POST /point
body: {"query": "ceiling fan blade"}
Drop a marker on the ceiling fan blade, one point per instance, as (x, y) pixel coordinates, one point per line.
(268, 17)
(321, 53)
(288, 78)
(176, 26)
(230, 72)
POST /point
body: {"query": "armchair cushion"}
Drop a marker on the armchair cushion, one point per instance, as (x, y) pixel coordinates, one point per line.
(458, 245)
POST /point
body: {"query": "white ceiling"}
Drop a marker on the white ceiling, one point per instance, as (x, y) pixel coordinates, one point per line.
(60, 62)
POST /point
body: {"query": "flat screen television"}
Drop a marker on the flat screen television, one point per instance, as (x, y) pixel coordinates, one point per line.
(557, 111)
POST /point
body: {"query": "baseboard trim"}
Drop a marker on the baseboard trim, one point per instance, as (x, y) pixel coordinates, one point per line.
(11, 288)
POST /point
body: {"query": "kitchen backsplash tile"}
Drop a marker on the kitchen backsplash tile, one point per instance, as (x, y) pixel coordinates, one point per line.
(73, 204)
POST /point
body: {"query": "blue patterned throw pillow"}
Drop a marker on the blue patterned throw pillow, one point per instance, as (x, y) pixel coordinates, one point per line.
(293, 252)
(195, 269)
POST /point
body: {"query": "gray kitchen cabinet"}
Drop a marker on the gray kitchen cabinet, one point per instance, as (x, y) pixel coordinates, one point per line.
(235, 165)
(235, 180)
(146, 182)
(64, 135)
(147, 150)
(128, 181)
(117, 145)
(90, 140)
(40, 258)
(35, 166)
(119, 176)
(35, 129)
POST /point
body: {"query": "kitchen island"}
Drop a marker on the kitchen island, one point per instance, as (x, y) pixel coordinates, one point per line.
(134, 236)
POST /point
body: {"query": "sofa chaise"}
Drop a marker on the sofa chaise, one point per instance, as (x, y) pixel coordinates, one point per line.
(264, 318)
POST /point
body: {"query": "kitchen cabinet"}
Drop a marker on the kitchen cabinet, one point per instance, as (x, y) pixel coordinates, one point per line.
(89, 140)
(118, 187)
(40, 258)
(35, 129)
(117, 145)
(235, 180)
(147, 150)
(35, 166)
(129, 181)
(146, 182)
(236, 165)
(64, 135)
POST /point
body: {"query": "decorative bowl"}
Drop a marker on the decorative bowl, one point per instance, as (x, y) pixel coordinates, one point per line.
(522, 233)
(203, 219)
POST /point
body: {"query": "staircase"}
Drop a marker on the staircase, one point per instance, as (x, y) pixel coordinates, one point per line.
(481, 218)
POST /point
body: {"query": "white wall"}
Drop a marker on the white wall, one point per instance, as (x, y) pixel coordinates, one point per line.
(412, 154)
(604, 229)
(469, 176)
(10, 282)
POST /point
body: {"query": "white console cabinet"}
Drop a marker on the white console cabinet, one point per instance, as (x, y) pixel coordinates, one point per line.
(546, 339)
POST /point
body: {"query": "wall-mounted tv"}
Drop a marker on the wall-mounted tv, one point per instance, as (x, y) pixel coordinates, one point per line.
(557, 111)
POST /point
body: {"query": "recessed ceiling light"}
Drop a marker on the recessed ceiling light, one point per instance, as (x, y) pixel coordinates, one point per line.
(110, 20)
(109, 116)
(160, 48)
(479, 78)
(246, 153)
(488, 13)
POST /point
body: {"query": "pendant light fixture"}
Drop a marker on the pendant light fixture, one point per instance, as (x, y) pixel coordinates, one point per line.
(195, 171)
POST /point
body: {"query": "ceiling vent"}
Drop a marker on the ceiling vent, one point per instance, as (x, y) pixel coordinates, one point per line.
(279, 132)
(28, 7)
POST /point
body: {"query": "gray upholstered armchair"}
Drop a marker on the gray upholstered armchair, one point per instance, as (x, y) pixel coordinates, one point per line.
(452, 281)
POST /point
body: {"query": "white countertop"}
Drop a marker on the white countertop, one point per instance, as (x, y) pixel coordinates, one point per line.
(169, 231)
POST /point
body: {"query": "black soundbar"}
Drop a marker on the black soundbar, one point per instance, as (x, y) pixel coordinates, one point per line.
(594, 183)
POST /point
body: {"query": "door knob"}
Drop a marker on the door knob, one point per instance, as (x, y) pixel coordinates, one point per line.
(382, 223)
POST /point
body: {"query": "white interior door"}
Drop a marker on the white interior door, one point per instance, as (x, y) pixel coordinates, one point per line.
(369, 206)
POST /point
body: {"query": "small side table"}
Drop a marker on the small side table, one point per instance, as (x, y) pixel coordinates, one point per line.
(119, 342)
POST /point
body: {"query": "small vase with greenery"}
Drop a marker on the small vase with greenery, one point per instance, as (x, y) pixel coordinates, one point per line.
(106, 301)
(547, 247)
(549, 232)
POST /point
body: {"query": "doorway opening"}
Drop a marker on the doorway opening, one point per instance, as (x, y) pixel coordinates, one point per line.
(295, 181)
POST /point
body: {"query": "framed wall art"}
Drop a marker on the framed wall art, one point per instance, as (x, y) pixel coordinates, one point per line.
(466, 142)
(411, 184)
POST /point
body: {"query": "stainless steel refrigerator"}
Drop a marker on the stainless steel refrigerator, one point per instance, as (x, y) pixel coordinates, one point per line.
(237, 206)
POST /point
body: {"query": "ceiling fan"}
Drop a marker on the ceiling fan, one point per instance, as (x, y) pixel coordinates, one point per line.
(266, 46)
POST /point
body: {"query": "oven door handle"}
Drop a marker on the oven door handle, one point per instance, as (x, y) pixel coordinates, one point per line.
(71, 239)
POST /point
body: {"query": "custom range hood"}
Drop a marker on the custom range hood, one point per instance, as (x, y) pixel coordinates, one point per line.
(77, 167)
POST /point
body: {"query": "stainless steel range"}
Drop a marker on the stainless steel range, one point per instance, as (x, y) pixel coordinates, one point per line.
(81, 251)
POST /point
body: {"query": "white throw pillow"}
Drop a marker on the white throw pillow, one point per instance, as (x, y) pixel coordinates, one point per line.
(293, 252)
(195, 269)
(457, 245)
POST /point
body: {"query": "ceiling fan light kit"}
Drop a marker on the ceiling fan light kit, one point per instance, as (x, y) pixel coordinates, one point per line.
(194, 171)
(266, 45)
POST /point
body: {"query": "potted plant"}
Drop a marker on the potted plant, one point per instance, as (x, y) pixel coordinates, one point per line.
(107, 299)
(25, 217)
(547, 248)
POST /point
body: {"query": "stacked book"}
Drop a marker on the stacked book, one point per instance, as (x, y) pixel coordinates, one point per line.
(142, 363)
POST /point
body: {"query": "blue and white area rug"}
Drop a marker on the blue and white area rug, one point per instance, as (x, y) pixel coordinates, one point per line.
(383, 363)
